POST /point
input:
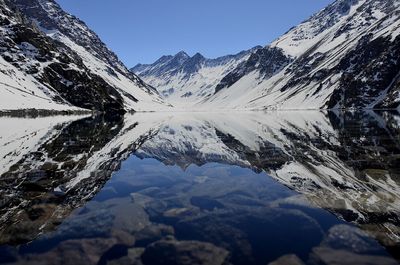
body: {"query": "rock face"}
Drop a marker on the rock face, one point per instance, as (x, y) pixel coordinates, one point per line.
(184, 81)
(52, 60)
(267, 61)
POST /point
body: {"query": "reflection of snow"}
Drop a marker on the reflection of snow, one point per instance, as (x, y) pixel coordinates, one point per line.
(19, 136)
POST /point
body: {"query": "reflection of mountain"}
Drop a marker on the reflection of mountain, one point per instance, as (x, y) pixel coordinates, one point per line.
(67, 165)
(348, 164)
(16, 140)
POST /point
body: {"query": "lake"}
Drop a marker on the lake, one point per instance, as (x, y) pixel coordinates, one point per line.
(201, 188)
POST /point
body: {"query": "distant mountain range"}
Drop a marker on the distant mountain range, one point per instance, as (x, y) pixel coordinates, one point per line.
(183, 80)
(345, 56)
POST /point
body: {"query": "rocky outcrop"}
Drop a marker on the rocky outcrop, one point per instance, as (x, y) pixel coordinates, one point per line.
(266, 61)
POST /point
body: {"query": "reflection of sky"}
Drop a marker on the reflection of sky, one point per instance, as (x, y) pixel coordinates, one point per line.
(145, 173)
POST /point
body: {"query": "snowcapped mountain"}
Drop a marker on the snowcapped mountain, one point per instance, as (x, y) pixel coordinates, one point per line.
(52, 60)
(185, 80)
(345, 56)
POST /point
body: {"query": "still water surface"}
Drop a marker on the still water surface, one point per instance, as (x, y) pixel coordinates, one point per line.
(200, 188)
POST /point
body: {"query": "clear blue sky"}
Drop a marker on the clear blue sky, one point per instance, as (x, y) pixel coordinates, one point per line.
(144, 30)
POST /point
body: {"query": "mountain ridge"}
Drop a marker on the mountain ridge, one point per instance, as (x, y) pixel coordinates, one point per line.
(173, 74)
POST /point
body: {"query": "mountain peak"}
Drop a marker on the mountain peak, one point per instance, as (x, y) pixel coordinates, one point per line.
(193, 64)
(182, 54)
(198, 56)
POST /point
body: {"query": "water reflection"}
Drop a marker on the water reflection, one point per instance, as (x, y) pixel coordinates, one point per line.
(245, 188)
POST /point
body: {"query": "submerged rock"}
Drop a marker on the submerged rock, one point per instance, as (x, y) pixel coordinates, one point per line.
(172, 252)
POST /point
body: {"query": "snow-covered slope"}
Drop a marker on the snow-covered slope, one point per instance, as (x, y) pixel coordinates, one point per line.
(346, 56)
(26, 57)
(185, 80)
(52, 60)
(22, 91)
